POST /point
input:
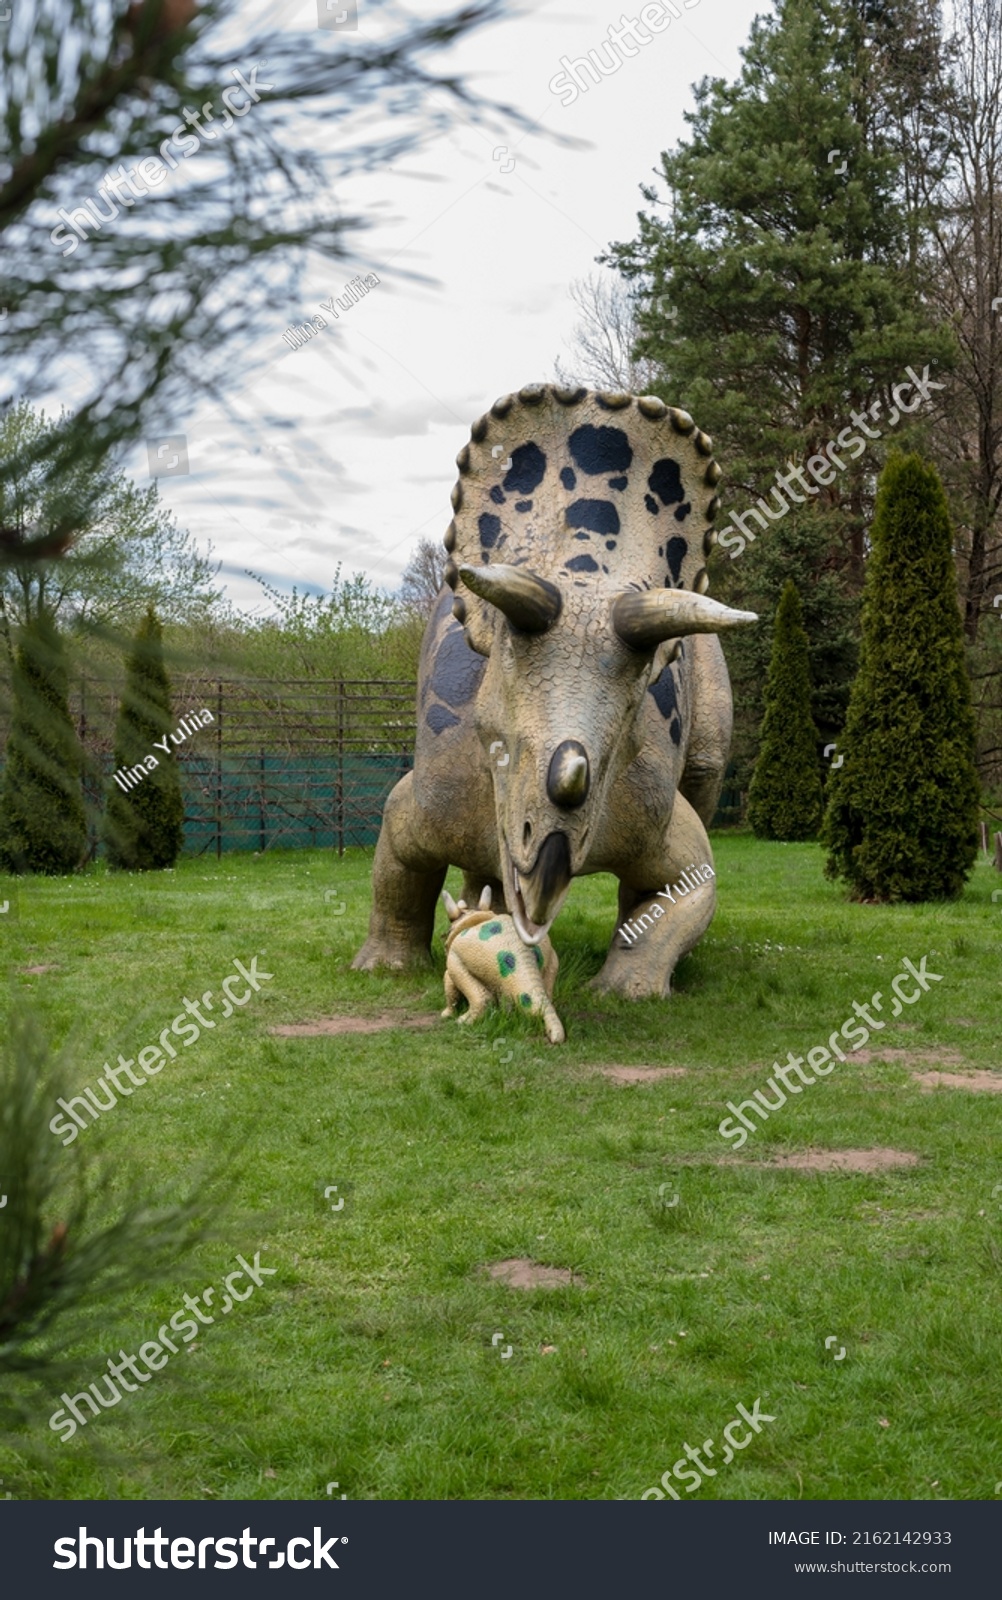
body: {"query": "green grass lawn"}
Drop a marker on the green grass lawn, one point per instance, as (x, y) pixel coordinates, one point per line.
(371, 1357)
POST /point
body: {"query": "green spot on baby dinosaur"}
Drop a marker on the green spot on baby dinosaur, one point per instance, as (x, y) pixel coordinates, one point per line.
(525, 999)
(506, 963)
(489, 929)
(538, 955)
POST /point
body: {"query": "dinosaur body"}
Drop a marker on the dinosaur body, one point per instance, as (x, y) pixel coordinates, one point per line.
(574, 710)
(486, 960)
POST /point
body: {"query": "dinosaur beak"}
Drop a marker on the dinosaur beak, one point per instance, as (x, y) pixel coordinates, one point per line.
(534, 898)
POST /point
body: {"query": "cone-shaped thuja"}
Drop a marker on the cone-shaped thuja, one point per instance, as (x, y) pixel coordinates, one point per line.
(784, 799)
(901, 822)
(43, 826)
(144, 823)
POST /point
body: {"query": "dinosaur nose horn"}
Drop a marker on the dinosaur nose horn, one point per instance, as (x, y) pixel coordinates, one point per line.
(567, 779)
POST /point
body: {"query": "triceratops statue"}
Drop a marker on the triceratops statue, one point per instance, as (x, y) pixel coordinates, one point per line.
(574, 709)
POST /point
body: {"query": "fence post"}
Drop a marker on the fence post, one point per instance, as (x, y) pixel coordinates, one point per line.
(340, 767)
(260, 806)
(997, 863)
(984, 837)
(219, 770)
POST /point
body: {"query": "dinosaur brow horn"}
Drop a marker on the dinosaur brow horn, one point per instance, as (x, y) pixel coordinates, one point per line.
(644, 620)
(530, 603)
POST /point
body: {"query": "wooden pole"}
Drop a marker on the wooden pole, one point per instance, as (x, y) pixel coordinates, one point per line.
(997, 863)
(984, 838)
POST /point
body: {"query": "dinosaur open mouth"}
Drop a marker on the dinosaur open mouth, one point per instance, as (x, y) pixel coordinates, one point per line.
(545, 888)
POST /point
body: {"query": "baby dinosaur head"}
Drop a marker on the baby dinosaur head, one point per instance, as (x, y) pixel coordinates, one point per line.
(461, 918)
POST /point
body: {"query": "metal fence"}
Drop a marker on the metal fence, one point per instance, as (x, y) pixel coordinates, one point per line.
(296, 763)
(293, 763)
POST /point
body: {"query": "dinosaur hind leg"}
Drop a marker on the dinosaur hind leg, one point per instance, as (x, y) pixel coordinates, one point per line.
(477, 994)
(406, 882)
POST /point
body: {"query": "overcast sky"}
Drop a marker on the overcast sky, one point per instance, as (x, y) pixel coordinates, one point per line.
(375, 408)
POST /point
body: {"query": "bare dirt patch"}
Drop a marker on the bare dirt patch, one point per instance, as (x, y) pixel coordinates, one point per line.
(347, 1024)
(977, 1081)
(618, 1074)
(818, 1160)
(521, 1273)
(36, 972)
(947, 1057)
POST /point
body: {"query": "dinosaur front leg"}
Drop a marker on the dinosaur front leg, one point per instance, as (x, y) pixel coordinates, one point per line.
(406, 881)
(662, 932)
(453, 995)
(477, 994)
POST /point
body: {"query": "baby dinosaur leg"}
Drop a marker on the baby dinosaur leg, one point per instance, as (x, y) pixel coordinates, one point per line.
(550, 964)
(478, 996)
(451, 994)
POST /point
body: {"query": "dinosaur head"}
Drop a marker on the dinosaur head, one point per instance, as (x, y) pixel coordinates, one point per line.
(577, 558)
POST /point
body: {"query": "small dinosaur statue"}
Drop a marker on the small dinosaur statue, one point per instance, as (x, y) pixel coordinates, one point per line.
(486, 960)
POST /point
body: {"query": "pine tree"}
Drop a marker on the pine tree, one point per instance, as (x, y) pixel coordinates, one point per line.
(144, 827)
(784, 801)
(779, 240)
(777, 296)
(43, 824)
(902, 811)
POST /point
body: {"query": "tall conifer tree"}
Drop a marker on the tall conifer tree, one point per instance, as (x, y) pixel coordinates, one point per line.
(902, 811)
(144, 827)
(784, 801)
(43, 824)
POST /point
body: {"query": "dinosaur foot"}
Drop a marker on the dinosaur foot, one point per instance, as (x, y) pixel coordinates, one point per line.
(397, 954)
(635, 985)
